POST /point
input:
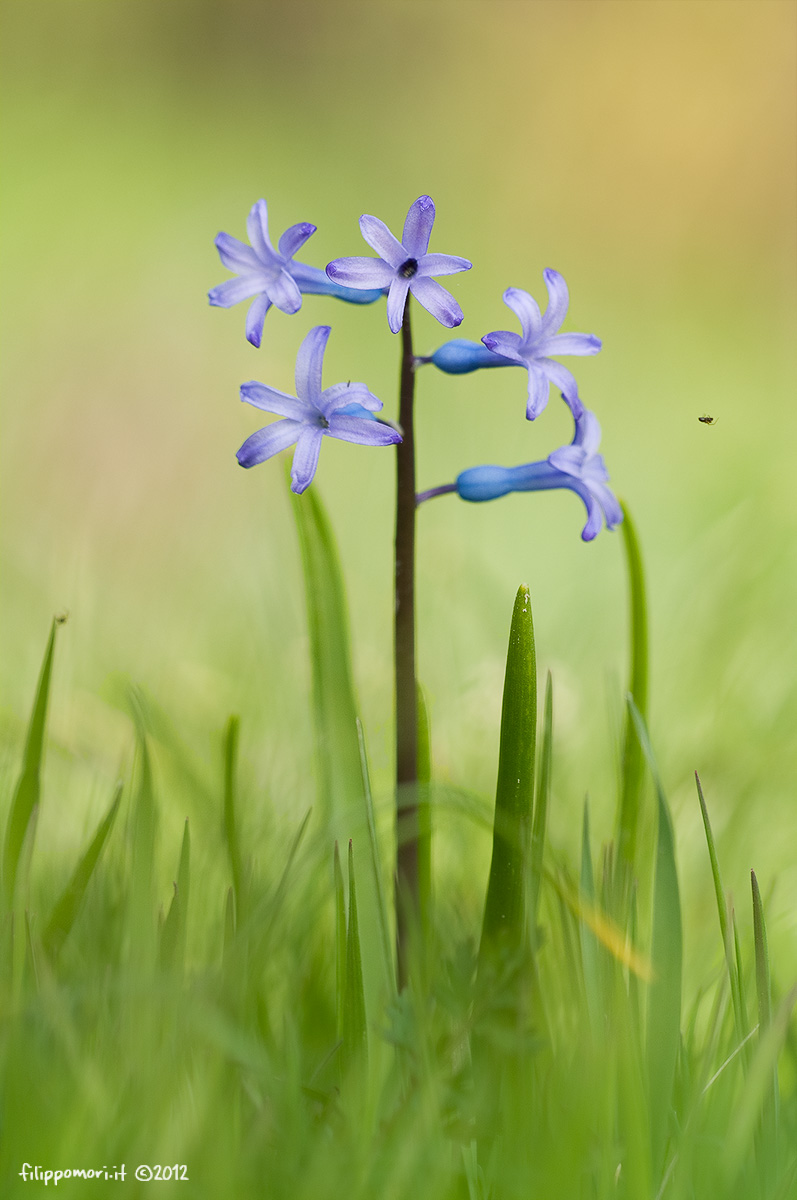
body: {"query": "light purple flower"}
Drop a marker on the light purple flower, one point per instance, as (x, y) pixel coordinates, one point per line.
(343, 411)
(271, 276)
(404, 266)
(578, 467)
(539, 341)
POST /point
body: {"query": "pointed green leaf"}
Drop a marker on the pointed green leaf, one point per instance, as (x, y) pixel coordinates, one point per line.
(764, 989)
(376, 868)
(722, 912)
(355, 1033)
(541, 801)
(229, 924)
(340, 941)
(67, 908)
(664, 995)
(26, 794)
(230, 821)
(504, 908)
(334, 706)
(632, 762)
(589, 943)
(172, 946)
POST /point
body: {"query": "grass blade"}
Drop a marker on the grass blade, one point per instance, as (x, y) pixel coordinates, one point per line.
(589, 943)
(334, 706)
(504, 914)
(632, 760)
(722, 912)
(376, 867)
(67, 908)
(769, 1110)
(355, 1033)
(231, 736)
(340, 941)
(25, 802)
(172, 948)
(664, 995)
(540, 816)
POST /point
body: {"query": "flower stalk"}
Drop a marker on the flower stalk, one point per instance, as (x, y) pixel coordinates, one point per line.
(407, 901)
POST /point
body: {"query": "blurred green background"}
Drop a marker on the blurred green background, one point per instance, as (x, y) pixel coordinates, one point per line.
(645, 149)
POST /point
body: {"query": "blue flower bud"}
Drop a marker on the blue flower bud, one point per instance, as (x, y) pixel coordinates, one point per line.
(484, 483)
(461, 356)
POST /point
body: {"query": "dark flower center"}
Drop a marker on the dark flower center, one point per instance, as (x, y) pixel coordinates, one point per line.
(324, 423)
(408, 268)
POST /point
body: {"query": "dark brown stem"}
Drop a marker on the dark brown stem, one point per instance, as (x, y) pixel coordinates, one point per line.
(406, 697)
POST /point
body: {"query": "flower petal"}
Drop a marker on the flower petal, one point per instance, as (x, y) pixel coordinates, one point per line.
(267, 442)
(396, 299)
(379, 238)
(436, 300)
(558, 301)
(255, 317)
(526, 309)
(562, 378)
(588, 432)
(362, 431)
(284, 293)
(232, 291)
(312, 281)
(257, 229)
(569, 343)
(361, 272)
(442, 264)
(507, 344)
(569, 460)
(270, 400)
(235, 255)
(305, 458)
(539, 389)
(294, 238)
(343, 394)
(418, 227)
(612, 509)
(309, 362)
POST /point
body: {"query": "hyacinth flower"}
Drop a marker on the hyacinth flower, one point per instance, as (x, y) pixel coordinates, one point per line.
(271, 276)
(344, 411)
(577, 466)
(533, 349)
(404, 266)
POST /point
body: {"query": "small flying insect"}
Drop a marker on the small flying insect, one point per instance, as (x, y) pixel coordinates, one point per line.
(706, 420)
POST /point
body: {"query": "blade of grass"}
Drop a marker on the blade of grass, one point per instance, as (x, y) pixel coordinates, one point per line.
(355, 1032)
(67, 908)
(589, 943)
(504, 913)
(540, 814)
(173, 934)
(376, 867)
(340, 941)
(25, 801)
(231, 737)
(664, 995)
(767, 1156)
(722, 912)
(141, 906)
(334, 706)
(632, 757)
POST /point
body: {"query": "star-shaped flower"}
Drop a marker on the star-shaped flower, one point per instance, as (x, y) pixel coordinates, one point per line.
(343, 411)
(539, 341)
(271, 276)
(404, 266)
(578, 467)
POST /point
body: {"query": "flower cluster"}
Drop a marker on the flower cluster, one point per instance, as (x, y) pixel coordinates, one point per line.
(405, 267)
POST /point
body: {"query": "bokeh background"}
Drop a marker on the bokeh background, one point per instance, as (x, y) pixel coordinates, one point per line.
(645, 149)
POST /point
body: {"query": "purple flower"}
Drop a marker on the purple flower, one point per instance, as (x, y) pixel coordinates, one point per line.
(540, 340)
(271, 276)
(577, 466)
(404, 266)
(343, 411)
